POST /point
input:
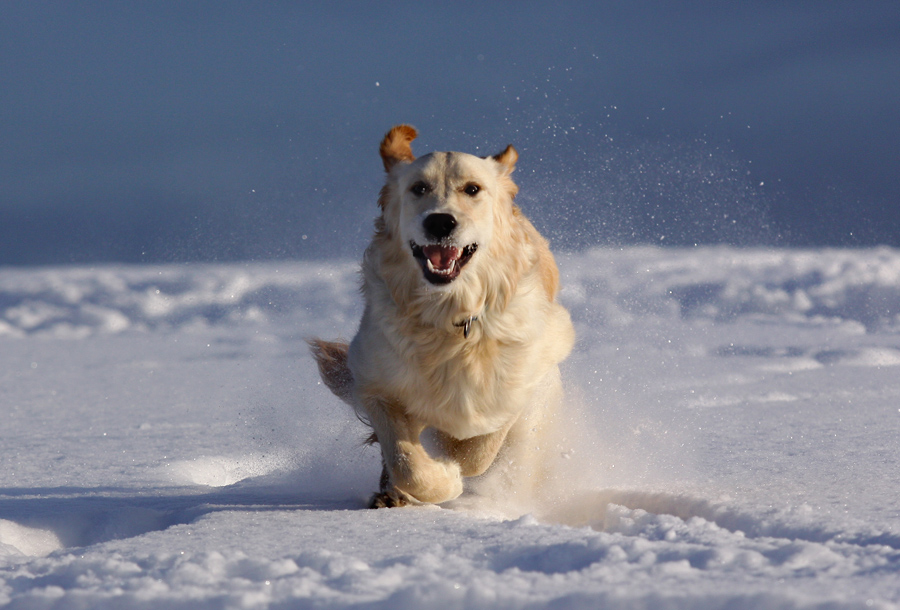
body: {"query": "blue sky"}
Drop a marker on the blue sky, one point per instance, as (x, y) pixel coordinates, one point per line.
(161, 131)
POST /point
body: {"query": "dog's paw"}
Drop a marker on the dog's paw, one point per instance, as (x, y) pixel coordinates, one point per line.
(389, 499)
(428, 480)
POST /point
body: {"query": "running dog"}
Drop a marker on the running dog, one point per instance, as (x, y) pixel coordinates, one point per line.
(461, 333)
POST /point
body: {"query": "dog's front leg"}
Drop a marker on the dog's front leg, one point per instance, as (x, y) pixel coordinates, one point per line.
(408, 469)
(475, 455)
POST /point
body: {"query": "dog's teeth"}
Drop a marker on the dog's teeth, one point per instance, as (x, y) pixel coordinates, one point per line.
(437, 271)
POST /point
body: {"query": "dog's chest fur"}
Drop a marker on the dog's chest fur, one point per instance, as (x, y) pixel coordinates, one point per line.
(462, 386)
(465, 387)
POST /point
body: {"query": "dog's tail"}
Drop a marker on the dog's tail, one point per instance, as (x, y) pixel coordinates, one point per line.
(331, 356)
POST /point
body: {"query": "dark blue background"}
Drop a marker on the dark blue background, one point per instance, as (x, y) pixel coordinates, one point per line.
(156, 131)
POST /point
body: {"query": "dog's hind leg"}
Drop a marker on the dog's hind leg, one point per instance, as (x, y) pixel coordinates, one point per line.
(408, 469)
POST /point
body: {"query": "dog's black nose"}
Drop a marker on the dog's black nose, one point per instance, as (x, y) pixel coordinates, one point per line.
(439, 226)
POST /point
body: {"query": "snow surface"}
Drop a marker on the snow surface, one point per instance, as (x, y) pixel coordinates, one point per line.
(166, 444)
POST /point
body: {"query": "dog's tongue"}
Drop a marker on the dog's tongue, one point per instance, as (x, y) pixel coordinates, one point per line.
(441, 257)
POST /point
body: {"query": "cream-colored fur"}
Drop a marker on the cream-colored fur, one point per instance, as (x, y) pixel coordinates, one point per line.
(411, 366)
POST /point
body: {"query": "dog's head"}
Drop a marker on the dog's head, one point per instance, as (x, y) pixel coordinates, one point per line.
(444, 207)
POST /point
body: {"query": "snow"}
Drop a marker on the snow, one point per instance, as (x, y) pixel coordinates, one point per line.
(167, 444)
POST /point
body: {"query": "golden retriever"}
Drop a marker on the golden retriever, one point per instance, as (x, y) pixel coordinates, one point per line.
(461, 333)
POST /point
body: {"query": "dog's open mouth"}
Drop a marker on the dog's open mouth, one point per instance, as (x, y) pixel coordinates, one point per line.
(442, 263)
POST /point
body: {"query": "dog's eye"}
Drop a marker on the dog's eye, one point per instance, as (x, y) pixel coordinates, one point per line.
(471, 189)
(418, 189)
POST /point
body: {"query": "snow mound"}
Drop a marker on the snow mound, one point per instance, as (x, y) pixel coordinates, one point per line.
(78, 303)
(220, 471)
(19, 540)
(720, 283)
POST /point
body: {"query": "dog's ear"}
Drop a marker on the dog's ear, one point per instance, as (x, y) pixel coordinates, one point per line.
(507, 159)
(395, 146)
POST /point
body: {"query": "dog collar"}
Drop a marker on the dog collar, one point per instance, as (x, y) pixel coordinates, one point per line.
(466, 325)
